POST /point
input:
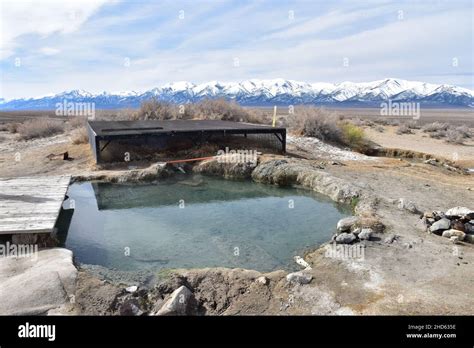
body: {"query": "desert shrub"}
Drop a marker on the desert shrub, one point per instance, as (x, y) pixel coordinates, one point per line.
(454, 136)
(380, 129)
(412, 124)
(434, 127)
(221, 109)
(260, 117)
(80, 136)
(438, 134)
(404, 129)
(464, 131)
(317, 123)
(394, 122)
(154, 109)
(327, 126)
(126, 114)
(361, 122)
(13, 127)
(352, 135)
(77, 122)
(40, 128)
(207, 109)
(382, 121)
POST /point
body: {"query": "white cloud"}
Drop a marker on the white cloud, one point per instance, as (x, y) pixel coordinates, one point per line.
(49, 51)
(41, 18)
(202, 46)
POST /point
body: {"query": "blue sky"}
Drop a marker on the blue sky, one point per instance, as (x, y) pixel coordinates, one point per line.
(96, 45)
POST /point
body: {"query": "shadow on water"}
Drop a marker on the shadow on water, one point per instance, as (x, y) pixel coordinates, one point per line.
(62, 224)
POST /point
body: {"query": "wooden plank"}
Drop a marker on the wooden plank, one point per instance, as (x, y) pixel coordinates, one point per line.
(31, 204)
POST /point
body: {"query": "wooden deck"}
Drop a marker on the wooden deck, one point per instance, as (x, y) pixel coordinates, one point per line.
(31, 204)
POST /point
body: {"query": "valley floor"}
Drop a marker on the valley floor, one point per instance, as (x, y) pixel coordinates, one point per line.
(405, 270)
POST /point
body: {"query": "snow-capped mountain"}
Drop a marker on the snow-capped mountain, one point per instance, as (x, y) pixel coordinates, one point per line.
(266, 92)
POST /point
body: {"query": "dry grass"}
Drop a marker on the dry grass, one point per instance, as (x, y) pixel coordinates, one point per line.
(40, 128)
(80, 136)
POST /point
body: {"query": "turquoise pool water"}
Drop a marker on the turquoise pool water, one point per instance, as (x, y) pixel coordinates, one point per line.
(196, 221)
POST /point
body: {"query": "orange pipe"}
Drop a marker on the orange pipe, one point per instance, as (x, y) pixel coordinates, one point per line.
(190, 160)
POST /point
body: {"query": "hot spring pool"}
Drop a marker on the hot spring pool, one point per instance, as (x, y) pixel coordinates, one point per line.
(196, 221)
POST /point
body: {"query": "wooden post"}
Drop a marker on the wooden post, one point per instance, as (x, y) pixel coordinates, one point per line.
(274, 115)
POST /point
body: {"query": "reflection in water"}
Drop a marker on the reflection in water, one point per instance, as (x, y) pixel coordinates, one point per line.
(196, 221)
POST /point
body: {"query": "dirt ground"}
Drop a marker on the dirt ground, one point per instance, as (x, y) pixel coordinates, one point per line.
(462, 155)
(418, 273)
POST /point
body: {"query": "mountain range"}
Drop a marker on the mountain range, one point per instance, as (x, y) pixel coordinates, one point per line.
(265, 93)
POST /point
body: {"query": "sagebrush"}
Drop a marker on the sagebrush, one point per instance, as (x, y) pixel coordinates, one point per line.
(40, 128)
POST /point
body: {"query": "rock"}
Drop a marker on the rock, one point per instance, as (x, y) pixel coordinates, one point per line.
(458, 225)
(430, 161)
(36, 284)
(286, 173)
(408, 245)
(409, 206)
(262, 280)
(345, 238)
(346, 223)
(428, 214)
(460, 212)
(228, 169)
(371, 222)
(365, 234)
(131, 289)
(469, 238)
(454, 239)
(469, 228)
(299, 277)
(131, 307)
(438, 215)
(454, 233)
(356, 231)
(443, 224)
(181, 302)
(300, 261)
(390, 239)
